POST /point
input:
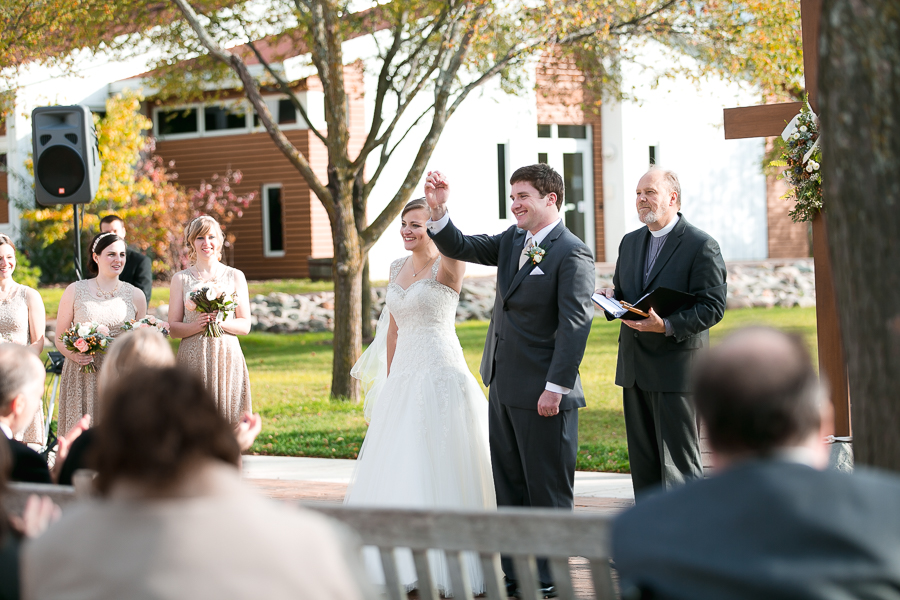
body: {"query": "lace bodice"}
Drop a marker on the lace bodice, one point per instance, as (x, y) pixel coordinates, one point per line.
(14, 318)
(426, 304)
(112, 312)
(224, 281)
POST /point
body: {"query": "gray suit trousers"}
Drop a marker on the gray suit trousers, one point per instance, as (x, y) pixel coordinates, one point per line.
(663, 439)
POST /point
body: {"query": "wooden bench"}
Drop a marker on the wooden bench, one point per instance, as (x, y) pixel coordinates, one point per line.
(522, 534)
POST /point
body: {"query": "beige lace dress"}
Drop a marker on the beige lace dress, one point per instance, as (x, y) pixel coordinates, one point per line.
(218, 360)
(78, 391)
(14, 328)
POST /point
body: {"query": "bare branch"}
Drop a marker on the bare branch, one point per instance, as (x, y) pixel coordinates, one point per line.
(252, 91)
(386, 154)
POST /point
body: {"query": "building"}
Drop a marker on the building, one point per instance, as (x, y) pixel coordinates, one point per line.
(673, 123)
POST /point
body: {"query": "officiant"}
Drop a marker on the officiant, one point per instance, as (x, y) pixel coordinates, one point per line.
(655, 353)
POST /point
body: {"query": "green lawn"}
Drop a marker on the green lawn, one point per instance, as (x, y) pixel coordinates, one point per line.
(291, 374)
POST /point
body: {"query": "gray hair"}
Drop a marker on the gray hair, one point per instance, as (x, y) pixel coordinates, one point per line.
(671, 179)
(19, 368)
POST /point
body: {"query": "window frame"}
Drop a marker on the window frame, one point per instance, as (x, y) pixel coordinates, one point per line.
(249, 114)
(267, 234)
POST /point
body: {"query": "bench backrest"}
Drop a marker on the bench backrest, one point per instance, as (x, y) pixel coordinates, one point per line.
(522, 534)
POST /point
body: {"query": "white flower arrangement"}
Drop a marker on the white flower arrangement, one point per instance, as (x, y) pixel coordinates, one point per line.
(802, 157)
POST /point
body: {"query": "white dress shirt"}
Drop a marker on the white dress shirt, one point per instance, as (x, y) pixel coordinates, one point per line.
(436, 226)
(6, 431)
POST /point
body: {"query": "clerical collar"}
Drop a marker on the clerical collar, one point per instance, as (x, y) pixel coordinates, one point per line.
(540, 235)
(667, 229)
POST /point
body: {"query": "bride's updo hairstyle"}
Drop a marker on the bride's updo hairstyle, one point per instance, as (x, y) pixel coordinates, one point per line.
(100, 243)
(159, 426)
(414, 205)
(201, 226)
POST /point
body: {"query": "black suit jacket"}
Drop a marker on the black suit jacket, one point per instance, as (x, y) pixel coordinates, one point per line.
(540, 323)
(138, 272)
(690, 261)
(27, 465)
(767, 529)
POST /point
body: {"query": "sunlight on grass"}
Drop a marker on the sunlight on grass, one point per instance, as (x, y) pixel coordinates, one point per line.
(291, 378)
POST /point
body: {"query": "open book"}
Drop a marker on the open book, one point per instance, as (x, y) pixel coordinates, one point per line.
(664, 301)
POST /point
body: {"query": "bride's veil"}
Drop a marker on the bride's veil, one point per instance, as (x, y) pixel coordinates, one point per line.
(371, 368)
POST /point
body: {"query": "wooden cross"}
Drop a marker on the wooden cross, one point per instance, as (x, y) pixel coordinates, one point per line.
(769, 120)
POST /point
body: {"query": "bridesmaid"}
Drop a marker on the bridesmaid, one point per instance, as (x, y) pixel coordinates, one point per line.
(105, 300)
(218, 360)
(22, 321)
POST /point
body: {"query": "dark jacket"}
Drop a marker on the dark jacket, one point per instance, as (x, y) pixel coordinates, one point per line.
(690, 261)
(767, 529)
(541, 322)
(138, 272)
(27, 465)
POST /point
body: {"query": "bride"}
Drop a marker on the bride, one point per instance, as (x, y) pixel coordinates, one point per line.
(427, 443)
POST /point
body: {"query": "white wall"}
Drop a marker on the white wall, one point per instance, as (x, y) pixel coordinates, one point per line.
(723, 188)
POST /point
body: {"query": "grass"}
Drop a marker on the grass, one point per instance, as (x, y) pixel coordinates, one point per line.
(291, 375)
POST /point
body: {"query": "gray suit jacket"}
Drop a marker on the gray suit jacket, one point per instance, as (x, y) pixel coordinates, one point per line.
(766, 529)
(540, 323)
(689, 261)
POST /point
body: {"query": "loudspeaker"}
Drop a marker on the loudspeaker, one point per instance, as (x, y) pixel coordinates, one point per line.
(66, 156)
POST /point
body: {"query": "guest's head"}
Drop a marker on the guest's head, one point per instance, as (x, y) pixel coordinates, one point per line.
(204, 239)
(159, 426)
(21, 386)
(7, 257)
(107, 256)
(537, 196)
(658, 198)
(759, 395)
(412, 225)
(113, 224)
(133, 350)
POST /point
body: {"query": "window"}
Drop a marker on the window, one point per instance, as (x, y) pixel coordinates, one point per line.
(3, 162)
(653, 155)
(545, 131)
(542, 158)
(287, 113)
(273, 220)
(171, 122)
(578, 132)
(219, 118)
(501, 179)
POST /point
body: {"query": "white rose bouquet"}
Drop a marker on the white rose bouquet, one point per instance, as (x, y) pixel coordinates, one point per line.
(88, 338)
(148, 321)
(208, 299)
(802, 157)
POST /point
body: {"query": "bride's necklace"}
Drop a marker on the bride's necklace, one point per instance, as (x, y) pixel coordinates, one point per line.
(211, 276)
(416, 273)
(9, 293)
(101, 293)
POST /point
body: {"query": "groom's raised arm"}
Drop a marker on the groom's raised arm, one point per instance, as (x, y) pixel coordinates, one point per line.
(576, 311)
(480, 249)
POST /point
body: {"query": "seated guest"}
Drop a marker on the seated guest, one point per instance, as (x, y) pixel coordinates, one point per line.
(174, 519)
(770, 523)
(21, 389)
(136, 350)
(37, 515)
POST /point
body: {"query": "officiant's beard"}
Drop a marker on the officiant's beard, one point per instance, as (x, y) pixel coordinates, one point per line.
(649, 217)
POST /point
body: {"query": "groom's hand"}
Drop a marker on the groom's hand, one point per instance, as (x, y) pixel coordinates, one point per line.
(437, 191)
(548, 403)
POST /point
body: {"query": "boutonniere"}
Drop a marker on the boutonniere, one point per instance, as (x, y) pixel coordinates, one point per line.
(536, 254)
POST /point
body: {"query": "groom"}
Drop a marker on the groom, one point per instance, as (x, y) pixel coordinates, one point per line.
(539, 328)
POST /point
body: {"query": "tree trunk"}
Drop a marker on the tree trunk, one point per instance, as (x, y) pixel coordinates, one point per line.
(859, 96)
(368, 332)
(347, 273)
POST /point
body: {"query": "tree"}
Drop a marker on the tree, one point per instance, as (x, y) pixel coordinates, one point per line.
(137, 186)
(861, 158)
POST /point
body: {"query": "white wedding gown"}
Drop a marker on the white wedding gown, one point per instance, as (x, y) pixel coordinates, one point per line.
(427, 443)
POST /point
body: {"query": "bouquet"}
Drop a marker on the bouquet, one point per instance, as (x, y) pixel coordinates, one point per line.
(207, 299)
(87, 338)
(802, 156)
(148, 321)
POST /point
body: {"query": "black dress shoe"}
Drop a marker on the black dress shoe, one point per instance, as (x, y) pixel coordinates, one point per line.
(512, 587)
(547, 590)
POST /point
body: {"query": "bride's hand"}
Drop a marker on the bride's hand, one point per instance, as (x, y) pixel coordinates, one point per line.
(437, 191)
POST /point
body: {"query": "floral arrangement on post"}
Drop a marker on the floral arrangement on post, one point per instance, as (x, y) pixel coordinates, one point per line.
(148, 321)
(209, 299)
(87, 338)
(802, 158)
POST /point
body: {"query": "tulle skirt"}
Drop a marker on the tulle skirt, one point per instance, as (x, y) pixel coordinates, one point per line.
(426, 448)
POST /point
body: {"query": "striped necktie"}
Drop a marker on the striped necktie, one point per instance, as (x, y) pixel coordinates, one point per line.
(528, 246)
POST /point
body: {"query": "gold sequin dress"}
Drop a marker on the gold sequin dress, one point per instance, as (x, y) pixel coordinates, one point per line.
(14, 328)
(78, 391)
(218, 360)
